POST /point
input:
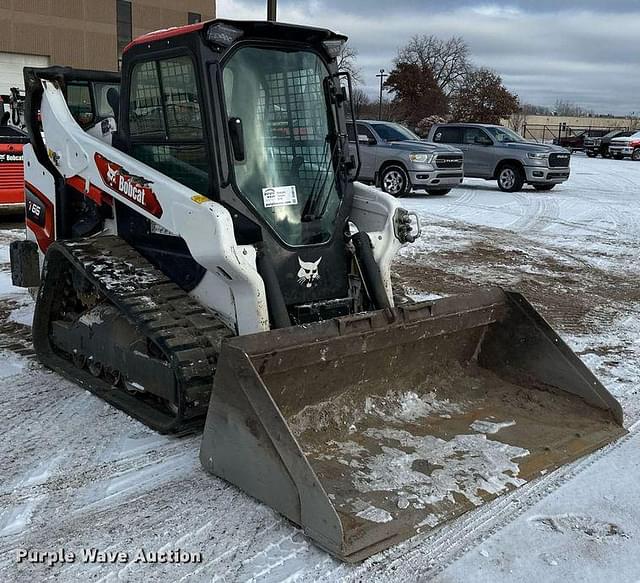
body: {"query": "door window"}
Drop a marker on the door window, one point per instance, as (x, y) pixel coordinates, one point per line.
(363, 130)
(79, 103)
(476, 136)
(448, 135)
(351, 134)
(164, 106)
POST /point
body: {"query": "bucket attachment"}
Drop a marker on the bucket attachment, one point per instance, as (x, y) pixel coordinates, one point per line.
(367, 429)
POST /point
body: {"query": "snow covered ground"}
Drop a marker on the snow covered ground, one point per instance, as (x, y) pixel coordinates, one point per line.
(78, 474)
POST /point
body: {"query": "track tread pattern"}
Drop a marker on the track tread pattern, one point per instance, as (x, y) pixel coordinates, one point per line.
(188, 335)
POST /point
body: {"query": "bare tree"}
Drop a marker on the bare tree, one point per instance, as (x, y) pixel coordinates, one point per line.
(448, 59)
(517, 120)
(570, 109)
(360, 100)
(346, 61)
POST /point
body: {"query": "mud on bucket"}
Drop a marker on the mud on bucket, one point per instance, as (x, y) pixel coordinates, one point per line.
(367, 429)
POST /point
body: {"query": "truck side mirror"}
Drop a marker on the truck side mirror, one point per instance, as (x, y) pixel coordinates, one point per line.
(364, 139)
(237, 138)
(483, 141)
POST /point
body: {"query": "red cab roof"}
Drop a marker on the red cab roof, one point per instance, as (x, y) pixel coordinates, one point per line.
(164, 33)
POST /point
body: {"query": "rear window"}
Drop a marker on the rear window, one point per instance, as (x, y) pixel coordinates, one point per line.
(446, 135)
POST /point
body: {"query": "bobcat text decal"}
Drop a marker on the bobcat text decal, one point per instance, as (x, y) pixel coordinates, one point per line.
(136, 188)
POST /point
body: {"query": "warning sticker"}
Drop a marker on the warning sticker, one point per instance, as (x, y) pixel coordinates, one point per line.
(279, 196)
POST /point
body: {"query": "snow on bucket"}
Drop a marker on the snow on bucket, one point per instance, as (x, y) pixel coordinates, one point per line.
(367, 429)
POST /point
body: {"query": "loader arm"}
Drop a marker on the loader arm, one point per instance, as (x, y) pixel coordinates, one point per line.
(79, 157)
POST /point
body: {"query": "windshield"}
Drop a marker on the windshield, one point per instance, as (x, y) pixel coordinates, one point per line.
(504, 135)
(393, 132)
(288, 173)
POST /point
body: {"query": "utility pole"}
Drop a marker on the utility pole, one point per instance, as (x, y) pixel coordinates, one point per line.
(271, 10)
(382, 75)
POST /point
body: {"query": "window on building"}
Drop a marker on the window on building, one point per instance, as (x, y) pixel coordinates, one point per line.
(123, 17)
(195, 17)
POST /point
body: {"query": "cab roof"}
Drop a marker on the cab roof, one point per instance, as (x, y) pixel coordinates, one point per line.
(251, 29)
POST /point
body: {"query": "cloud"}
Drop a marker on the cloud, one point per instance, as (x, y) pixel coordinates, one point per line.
(583, 51)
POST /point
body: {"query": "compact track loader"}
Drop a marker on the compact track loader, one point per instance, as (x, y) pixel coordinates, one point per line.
(214, 257)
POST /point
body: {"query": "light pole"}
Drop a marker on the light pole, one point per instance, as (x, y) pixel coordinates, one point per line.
(271, 10)
(382, 75)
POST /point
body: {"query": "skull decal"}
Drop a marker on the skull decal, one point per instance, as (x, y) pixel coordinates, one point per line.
(308, 275)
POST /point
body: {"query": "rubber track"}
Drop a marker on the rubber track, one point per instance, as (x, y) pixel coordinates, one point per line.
(188, 335)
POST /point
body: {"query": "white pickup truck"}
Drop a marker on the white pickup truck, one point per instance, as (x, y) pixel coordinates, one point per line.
(626, 146)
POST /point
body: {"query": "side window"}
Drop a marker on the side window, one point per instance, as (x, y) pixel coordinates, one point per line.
(363, 130)
(164, 105)
(181, 101)
(476, 136)
(79, 103)
(448, 135)
(351, 132)
(146, 119)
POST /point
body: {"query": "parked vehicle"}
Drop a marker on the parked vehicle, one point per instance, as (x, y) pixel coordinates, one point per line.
(577, 141)
(627, 146)
(497, 153)
(397, 160)
(594, 146)
(12, 141)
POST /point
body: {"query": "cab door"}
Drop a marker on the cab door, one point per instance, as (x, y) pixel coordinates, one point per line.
(479, 152)
(367, 142)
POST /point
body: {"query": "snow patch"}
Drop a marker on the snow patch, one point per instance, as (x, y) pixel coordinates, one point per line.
(484, 426)
(437, 469)
(374, 514)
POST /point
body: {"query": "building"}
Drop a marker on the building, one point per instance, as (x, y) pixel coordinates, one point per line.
(87, 34)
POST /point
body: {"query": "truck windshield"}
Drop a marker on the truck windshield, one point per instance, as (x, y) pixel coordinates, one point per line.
(288, 174)
(393, 132)
(504, 135)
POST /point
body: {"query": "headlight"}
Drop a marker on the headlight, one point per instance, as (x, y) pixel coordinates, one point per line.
(538, 155)
(421, 157)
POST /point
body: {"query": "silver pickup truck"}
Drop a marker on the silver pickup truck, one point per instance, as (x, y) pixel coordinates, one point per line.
(497, 153)
(397, 160)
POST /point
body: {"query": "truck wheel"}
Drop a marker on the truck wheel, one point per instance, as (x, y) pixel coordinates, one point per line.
(543, 186)
(636, 155)
(591, 154)
(395, 181)
(618, 156)
(438, 191)
(510, 178)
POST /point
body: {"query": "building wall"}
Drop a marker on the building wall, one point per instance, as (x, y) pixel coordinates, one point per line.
(82, 33)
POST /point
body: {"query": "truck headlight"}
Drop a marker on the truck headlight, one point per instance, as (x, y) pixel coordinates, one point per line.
(537, 155)
(421, 157)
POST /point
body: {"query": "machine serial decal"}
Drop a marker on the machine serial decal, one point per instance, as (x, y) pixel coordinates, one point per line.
(136, 188)
(308, 275)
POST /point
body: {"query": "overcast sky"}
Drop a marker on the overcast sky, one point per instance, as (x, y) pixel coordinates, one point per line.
(584, 51)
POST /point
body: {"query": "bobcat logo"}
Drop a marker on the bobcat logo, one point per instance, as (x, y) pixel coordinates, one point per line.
(111, 174)
(308, 275)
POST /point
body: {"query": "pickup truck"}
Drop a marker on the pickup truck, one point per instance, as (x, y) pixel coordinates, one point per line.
(626, 146)
(494, 152)
(595, 146)
(397, 160)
